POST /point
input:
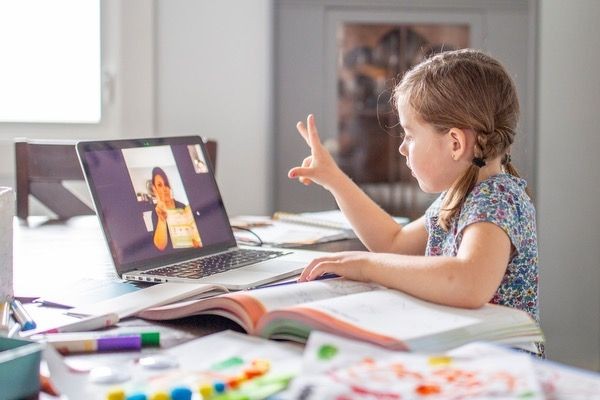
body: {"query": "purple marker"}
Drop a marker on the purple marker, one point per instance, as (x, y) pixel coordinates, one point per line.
(112, 343)
(116, 343)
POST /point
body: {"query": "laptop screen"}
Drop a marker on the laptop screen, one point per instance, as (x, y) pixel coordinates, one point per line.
(157, 200)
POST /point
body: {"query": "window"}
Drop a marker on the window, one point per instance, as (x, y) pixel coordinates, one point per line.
(51, 65)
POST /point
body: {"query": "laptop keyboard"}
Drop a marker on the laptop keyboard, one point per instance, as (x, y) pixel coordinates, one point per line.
(211, 265)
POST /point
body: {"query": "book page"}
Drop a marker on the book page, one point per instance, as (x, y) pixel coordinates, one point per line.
(152, 296)
(247, 307)
(287, 295)
(395, 319)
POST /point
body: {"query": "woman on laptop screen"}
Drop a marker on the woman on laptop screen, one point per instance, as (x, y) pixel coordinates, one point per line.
(172, 220)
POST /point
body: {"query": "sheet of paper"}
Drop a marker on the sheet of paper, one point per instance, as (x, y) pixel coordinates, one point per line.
(279, 233)
(213, 357)
(337, 218)
(334, 367)
(131, 303)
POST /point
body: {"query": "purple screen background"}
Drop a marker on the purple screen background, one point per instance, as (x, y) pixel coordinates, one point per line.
(123, 214)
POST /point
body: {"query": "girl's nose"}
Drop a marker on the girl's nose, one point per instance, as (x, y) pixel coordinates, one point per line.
(402, 149)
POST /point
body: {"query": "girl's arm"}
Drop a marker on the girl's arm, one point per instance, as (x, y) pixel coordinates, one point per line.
(373, 226)
(468, 280)
(160, 231)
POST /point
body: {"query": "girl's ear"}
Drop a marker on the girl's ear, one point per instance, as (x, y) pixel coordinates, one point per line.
(458, 142)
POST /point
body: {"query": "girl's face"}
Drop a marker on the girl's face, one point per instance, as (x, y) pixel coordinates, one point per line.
(161, 189)
(428, 152)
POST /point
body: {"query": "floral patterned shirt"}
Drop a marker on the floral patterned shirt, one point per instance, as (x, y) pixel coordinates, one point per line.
(501, 200)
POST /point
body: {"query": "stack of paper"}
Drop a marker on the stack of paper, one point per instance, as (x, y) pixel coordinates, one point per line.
(286, 229)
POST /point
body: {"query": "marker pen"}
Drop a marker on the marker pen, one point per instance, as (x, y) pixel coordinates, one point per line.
(22, 316)
(148, 339)
(113, 343)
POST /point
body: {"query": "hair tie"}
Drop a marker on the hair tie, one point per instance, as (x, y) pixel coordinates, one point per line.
(507, 159)
(479, 162)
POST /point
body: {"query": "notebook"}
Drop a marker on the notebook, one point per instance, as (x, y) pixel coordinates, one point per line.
(164, 219)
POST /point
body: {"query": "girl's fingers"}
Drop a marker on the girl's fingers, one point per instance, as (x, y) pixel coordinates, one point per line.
(313, 264)
(306, 163)
(323, 268)
(303, 132)
(313, 133)
(298, 172)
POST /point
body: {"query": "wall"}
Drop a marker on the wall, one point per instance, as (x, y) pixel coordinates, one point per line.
(502, 28)
(569, 180)
(213, 69)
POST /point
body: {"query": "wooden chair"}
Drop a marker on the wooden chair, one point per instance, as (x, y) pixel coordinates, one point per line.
(43, 165)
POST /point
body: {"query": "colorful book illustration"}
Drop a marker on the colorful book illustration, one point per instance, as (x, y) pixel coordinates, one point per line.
(339, 368)
(335, 368)
(357, 310)
(243, 367)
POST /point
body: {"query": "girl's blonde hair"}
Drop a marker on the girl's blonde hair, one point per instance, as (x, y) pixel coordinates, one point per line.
(465, 89)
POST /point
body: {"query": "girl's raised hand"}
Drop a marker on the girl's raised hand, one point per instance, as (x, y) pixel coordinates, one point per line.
(320, 166)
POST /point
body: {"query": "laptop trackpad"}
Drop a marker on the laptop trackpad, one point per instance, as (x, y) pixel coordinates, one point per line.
(258, 274)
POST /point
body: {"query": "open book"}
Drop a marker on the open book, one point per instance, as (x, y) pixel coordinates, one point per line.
(361, 311)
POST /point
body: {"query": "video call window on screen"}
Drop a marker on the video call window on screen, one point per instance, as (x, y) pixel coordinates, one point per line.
(156, 180)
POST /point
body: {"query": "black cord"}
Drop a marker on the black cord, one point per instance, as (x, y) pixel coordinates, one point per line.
(241, 228)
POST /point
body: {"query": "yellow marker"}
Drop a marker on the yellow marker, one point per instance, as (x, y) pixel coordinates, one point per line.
(436, 361)
(205, 390)
(160, 396)
(116, 394)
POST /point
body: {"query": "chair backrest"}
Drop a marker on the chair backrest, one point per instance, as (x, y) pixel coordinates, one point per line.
(43, 165)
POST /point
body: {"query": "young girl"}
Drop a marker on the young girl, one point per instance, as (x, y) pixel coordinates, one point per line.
(477, 242)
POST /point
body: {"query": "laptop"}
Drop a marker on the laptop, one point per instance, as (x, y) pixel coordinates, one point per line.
(164, 219)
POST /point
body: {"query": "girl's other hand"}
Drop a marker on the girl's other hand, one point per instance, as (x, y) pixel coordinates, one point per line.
(348, 264)
(319, 167)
